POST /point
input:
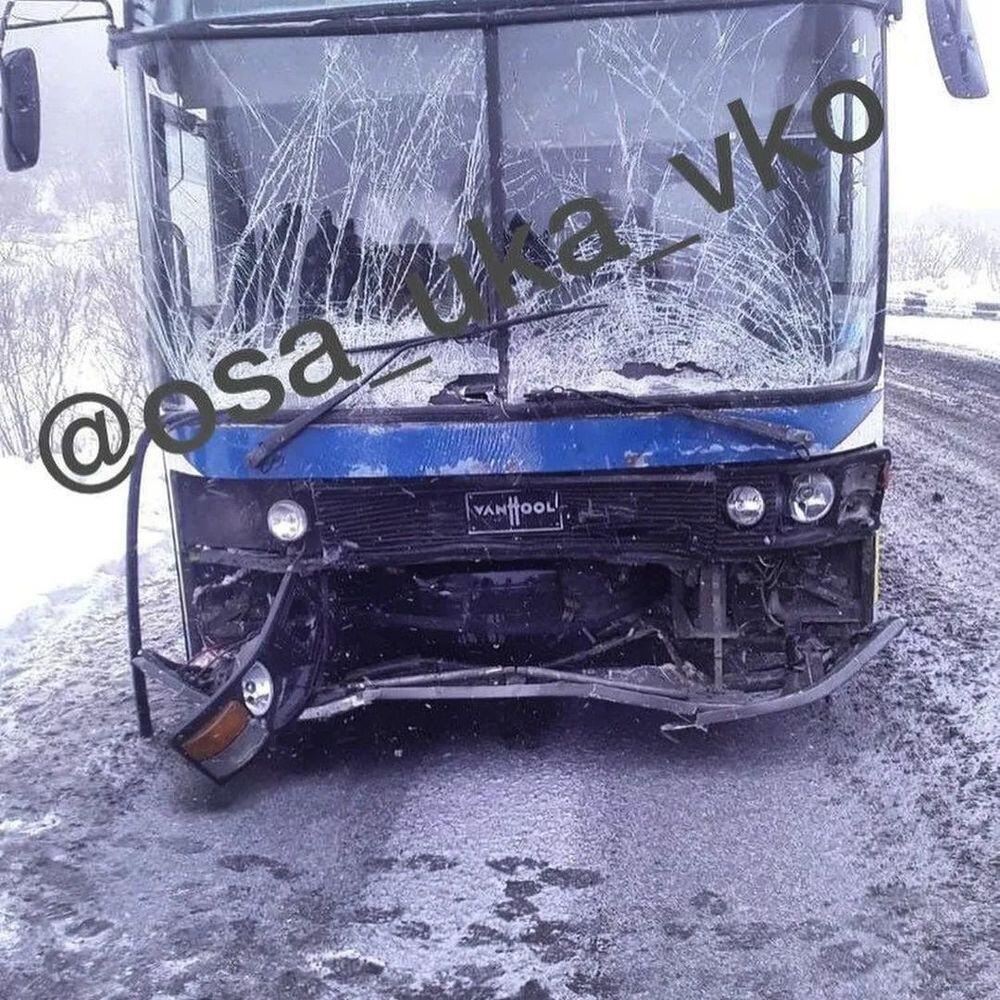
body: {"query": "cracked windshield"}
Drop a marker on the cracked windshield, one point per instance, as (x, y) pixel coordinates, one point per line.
(295, 179)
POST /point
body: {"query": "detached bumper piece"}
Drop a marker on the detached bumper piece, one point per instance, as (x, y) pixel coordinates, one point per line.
(275, 678)
(693, 707)
(257, 688)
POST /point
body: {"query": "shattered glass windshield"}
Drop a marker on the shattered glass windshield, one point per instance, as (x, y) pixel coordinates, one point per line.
(301, 177)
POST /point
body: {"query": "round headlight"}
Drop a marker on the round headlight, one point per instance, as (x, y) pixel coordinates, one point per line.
(811, 497)
(287, 521)
(745, 506)
(258, 689)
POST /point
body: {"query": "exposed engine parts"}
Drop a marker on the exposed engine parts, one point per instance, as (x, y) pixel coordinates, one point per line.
(755, 625)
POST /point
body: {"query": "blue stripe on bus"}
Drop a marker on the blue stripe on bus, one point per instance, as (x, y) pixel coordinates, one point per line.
(563, 444)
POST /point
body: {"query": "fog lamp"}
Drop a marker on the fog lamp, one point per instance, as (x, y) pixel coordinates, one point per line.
(811, 497)
(258, 690)
(745, 506)
(287, 521)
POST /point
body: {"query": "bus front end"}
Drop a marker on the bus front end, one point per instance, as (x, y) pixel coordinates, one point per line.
(671, 501)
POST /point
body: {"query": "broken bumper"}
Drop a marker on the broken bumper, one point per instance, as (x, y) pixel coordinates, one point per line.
(221, 735)
(692, 707)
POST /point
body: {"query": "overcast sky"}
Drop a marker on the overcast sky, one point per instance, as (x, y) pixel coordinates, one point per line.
(944, 152)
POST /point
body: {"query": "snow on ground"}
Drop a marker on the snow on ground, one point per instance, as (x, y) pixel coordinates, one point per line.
(55, 538)
(843, 852)
(958, 285)
(976, 337)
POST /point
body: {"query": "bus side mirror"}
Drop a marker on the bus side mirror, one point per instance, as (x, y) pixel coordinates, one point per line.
(956, 48)
(19, 99)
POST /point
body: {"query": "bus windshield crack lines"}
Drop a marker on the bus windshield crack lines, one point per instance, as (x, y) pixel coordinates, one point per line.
(316, 193)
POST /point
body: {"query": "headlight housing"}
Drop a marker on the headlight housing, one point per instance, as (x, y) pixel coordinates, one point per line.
(745, 506)
(287, 521)
(258, 690)
(811, 497)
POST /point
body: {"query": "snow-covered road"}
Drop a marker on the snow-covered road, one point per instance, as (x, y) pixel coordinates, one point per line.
(849, 851)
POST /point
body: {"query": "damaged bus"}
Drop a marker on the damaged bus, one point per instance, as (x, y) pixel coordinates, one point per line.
(657, 483)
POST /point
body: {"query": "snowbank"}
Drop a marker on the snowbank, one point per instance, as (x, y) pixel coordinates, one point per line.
(978, 337)
(55, 539)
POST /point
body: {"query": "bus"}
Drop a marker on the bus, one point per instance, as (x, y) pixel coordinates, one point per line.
(648, 469)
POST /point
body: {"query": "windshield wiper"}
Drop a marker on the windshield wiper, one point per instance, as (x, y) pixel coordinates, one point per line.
(276, 441)
(785, 433)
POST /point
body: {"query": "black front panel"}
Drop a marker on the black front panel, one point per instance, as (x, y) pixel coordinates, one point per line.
(624, 517)
(560, 515)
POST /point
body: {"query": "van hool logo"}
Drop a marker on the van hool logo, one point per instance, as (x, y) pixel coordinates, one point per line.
(513, 510)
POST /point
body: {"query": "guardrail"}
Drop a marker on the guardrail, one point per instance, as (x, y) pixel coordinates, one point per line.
(922, 304)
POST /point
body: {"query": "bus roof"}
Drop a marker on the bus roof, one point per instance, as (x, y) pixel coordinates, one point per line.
(167, 12)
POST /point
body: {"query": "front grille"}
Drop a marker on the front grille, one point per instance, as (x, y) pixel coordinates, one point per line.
(664, 513)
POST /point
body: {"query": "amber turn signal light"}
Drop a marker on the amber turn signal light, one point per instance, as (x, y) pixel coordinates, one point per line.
(219, 733)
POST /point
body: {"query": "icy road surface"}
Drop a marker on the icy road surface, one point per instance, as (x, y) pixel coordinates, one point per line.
(849, 851)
